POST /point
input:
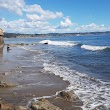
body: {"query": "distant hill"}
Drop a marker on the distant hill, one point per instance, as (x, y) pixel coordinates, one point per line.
(18, 35)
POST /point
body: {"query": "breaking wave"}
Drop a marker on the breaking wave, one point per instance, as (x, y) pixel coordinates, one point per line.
(91, 91)
(94, 48)
(71, 44)
(58, 43)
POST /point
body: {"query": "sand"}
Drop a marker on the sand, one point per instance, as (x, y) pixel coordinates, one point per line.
(31, 81)
(18, 68)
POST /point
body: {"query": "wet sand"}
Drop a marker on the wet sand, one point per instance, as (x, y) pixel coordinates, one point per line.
(30, 81)
(18, 67)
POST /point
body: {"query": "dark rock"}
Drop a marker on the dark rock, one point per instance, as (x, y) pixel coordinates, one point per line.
(5, 84)
(69, 96)
(43, 104)
(21, 108)
(66, 105)
(6, 106)
(46, 43)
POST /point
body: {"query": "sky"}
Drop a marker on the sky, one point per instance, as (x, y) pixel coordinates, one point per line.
(54, 16)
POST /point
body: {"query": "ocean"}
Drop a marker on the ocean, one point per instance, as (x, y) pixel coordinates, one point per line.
(84, 61)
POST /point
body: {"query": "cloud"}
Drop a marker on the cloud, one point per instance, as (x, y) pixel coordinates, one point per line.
(92, 28)
(13, 5)
(34, 8)
(19, 7)
(36, 19)
(25, 26)
(45, 14)
(1, 19)
(65, 24)
(40, 14)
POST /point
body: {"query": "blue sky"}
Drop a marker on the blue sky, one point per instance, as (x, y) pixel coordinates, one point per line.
(47, 16)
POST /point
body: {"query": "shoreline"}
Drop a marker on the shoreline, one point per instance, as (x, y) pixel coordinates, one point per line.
(26, 82)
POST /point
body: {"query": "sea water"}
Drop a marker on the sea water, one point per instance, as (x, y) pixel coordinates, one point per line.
(84, 61)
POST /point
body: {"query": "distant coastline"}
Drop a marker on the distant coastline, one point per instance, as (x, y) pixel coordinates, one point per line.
(18, 35)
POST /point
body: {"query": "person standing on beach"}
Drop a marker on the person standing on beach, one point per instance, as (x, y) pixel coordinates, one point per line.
(8, 47)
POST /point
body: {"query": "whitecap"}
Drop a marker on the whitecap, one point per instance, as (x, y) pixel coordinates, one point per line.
(58, 43)
(94, 48)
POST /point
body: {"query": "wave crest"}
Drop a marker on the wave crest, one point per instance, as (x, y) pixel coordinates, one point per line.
(58, 43)
(94, 48)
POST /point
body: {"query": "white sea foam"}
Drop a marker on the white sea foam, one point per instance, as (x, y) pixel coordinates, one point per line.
(94, 48)
(58, 43)
(31, 50)
(27, 48)
(91, 91)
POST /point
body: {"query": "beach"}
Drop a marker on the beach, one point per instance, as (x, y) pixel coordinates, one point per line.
(67, 73)
(55, 55)
(25, 79)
